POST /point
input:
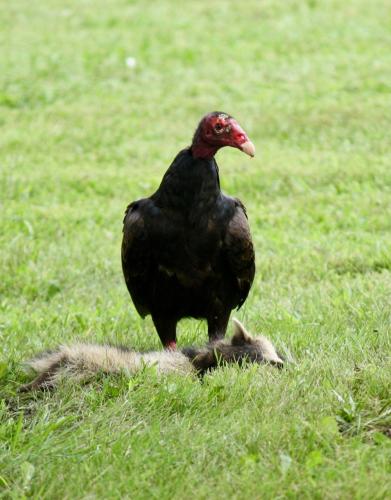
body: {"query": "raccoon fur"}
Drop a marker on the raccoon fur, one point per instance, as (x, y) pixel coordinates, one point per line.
(80, 362)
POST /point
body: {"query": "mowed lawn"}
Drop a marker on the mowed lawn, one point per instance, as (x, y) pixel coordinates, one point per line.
(84, 132)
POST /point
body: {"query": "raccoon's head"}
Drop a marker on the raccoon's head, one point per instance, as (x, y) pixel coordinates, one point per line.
(241, 348)
(258, 346)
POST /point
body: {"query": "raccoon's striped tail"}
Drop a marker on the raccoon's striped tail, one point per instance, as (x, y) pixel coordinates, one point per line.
(81, 362)
(78, 362)
(47, 365)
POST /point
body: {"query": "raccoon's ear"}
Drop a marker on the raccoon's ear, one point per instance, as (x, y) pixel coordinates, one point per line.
(241, 335)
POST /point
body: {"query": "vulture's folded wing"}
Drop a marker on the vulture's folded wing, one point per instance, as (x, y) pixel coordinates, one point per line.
(239, 251)
(136, 257)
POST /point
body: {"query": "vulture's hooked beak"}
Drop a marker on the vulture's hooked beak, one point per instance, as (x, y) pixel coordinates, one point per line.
(248, 148)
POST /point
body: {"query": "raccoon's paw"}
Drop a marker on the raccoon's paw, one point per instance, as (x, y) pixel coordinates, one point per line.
(278, 363)
(43, 382)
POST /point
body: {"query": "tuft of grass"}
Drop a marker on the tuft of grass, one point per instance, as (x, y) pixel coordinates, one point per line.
(83, 134)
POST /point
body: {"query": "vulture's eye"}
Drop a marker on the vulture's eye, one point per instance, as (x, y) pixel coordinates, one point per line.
(219, 128)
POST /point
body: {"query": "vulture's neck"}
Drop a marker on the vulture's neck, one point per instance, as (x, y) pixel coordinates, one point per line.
(200, 149)
(190, 183)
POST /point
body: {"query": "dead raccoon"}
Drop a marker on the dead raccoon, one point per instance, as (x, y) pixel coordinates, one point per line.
(81, 362)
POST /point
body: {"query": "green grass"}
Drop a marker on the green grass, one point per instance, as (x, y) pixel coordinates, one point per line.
(82, 135)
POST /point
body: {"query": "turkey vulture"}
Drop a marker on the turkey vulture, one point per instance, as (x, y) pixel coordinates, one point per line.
(187, 249)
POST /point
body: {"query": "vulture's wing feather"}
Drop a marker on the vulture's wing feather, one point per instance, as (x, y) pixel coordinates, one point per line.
(239, 251)
(136, 254)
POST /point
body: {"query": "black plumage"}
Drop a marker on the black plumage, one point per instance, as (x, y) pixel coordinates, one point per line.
(187, 249)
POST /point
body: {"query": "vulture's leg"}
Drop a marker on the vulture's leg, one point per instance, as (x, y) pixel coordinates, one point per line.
(217, 325)
(166, 329)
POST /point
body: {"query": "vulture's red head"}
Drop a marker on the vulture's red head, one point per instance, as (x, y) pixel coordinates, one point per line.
(217, 130)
